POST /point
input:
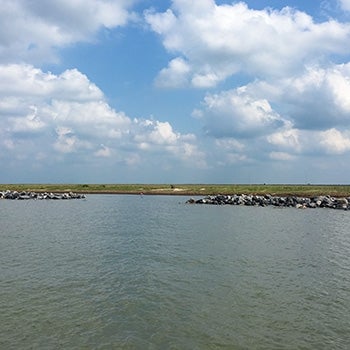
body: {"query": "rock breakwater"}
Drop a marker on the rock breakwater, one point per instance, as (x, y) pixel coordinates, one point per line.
(24, 195)
(277, 201)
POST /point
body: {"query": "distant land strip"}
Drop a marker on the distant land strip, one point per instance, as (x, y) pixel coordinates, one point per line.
(305, 190)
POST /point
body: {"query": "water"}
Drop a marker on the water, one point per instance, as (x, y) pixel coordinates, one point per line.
(130, 272)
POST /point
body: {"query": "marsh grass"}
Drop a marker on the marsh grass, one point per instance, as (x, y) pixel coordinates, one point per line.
(187, 189)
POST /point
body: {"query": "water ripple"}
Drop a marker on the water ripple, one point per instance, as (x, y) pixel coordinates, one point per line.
(120, 272)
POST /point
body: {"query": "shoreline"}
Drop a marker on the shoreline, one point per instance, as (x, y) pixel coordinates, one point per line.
(300, 202)
(309, 191)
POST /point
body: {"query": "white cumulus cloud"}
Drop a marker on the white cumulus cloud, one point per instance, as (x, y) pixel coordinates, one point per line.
(236, 113)
(175, 75)
(217, 41)
(31, 31)
(317, 98)
(46, 116)
(335, 141)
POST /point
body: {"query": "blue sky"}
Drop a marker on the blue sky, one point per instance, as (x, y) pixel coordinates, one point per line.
(102, 91)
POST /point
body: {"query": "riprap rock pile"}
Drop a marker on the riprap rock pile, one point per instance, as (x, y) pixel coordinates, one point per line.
(38, 195)
(277, 201)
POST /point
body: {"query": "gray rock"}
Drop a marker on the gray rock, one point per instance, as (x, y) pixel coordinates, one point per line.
(14, 195)
(278, 201)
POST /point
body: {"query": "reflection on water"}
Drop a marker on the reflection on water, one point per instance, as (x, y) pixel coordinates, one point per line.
(130, 272)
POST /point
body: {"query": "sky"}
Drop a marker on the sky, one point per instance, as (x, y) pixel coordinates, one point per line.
(181, 91)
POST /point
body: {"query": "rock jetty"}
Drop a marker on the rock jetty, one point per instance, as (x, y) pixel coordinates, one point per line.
(38, 195)
(277, 201)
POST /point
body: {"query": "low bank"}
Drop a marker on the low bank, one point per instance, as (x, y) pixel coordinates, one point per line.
(300, 190)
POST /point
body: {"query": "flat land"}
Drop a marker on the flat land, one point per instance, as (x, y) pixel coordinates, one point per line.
(187, 189)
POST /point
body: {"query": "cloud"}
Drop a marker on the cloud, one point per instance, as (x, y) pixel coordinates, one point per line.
(345, 4)
(293, 104)
(281, 156)
(229, 151)
(317, 98)
(156, 137)
(218, 41)
(288, 139)
(297, 102)
(282, 119)
(229, 144)
(159, 133)
(46, 116)
(31, 31)
(335, 142)
(302, 142)
(236, 113)
(104, 152)
(26, 81)
(175, 75)
(67, 142)
(31, 123)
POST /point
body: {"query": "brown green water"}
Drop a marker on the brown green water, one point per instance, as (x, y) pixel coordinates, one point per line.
(130, 272)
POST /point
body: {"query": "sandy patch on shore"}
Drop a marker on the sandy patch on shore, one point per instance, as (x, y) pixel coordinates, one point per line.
(176, 189)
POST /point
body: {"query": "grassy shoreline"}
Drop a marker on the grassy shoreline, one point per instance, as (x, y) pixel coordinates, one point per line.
(187, 189)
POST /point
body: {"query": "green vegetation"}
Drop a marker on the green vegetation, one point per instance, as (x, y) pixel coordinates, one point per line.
(187, 189)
